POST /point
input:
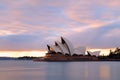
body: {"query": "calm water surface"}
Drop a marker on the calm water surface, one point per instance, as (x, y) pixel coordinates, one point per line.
(28, 70)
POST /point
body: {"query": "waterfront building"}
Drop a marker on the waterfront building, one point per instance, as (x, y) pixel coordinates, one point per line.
(64, 51)
(95, 53)
(65, 47)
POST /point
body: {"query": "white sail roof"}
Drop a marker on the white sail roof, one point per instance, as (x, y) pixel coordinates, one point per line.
(65, 46)
(56, 49)
(68, 45)
(96, 53)
(62, 47)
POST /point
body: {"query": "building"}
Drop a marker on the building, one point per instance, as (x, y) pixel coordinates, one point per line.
(65, 47)
(64, 51)
(95, 53)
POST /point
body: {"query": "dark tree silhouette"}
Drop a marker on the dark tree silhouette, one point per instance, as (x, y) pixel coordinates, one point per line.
(114, 54)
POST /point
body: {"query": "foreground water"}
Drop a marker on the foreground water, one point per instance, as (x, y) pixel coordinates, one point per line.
(29, 70)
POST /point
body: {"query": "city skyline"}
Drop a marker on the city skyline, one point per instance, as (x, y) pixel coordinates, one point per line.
(27, 26)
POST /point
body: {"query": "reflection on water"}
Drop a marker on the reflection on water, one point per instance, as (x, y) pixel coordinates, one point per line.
(28, 70)
(105, 72)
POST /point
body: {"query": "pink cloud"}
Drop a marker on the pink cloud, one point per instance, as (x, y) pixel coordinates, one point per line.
(52, 19)
(110, 33)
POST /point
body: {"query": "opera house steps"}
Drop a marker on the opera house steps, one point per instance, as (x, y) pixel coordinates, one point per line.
(62, 57)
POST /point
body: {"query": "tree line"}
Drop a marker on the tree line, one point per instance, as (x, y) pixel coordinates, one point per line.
(115, 54)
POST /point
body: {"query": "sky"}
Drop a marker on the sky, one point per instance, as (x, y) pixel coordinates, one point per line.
(28, 25)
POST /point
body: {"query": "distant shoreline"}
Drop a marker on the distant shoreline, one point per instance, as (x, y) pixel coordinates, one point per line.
(39, 59)
(77, 60)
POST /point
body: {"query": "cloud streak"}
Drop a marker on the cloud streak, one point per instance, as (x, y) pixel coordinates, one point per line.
(31, 24)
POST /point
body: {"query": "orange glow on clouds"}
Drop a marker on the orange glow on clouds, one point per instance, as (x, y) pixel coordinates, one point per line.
(42, 53)
(22, 53)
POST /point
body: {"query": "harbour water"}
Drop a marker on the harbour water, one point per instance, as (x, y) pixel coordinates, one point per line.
(29, 70)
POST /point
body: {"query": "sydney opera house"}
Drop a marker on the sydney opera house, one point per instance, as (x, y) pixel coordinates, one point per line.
(65, 47)
(64, 50)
